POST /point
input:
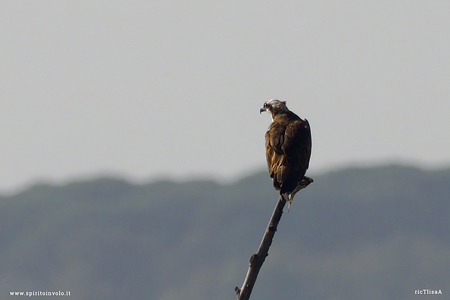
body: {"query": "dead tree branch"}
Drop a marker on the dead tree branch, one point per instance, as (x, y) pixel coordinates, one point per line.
(257, 260)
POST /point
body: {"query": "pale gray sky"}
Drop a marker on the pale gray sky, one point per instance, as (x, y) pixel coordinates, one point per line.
(173, 88)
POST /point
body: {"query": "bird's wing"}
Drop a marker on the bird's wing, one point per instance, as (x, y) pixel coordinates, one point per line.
(297, 151)
(297, 145)
(275, 155)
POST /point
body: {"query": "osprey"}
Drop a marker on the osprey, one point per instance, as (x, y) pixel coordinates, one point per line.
(288, 149)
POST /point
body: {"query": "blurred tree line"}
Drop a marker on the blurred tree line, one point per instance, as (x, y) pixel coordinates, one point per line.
(357, 233)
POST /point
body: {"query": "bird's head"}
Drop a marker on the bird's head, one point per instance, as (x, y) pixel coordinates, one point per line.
(274, 106)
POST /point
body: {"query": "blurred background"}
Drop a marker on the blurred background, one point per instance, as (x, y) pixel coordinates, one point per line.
(130, 129)
(149, 89)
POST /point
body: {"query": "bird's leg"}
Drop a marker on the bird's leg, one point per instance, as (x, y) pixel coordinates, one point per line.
(301, 185)
(288, 198)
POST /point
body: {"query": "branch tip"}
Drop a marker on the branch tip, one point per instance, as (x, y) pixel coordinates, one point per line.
(238, 291)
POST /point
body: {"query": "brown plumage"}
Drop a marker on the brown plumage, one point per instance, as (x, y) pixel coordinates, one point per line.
(288, 149)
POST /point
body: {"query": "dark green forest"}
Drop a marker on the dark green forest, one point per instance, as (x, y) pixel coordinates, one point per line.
(357, 233)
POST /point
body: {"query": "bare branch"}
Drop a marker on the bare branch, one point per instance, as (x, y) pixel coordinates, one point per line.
(256, 260)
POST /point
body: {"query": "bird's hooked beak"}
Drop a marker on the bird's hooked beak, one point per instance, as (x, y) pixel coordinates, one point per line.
(264, 108)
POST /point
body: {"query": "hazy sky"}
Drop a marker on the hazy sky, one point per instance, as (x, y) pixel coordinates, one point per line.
(173, 88)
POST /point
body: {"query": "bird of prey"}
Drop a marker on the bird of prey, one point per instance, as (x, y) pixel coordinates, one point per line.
(288, 149)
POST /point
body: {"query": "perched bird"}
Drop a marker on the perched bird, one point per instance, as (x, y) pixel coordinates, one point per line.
(288, 149)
